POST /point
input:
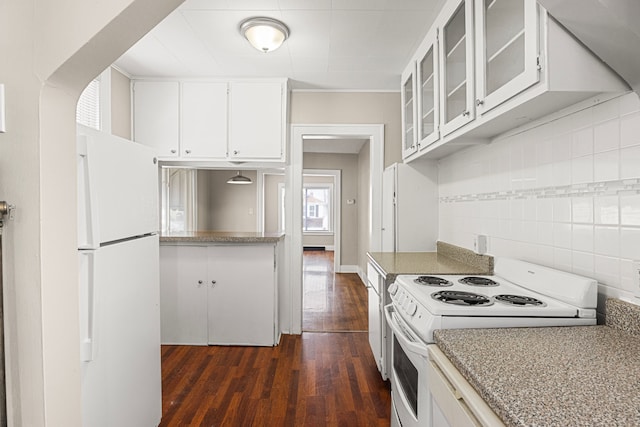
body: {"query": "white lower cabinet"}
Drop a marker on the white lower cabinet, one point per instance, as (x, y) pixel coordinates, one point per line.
(453, 402)
(220, 295)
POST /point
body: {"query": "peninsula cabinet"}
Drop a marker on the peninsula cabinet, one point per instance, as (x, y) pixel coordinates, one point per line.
(502, 64)
(227, 121)
(218, 294)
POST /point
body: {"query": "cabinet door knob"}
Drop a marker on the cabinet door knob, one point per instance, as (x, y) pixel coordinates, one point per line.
(199, 282)
(235, 151)
(173, 151)
(479, 102)
(187, 151)
(213, 282)
(465, 113)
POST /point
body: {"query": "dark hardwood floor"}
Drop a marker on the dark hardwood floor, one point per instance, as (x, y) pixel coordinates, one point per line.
(324, 377)
(331, 302)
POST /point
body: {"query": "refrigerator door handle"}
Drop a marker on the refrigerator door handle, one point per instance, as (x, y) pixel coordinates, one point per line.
(87, 305)
(87, 198)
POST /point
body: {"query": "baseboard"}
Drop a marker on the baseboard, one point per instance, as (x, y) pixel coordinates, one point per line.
(362, 276)
(348, 269)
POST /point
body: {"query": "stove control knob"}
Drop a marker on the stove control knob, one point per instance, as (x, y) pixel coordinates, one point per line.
(393, 288)
(412, 308)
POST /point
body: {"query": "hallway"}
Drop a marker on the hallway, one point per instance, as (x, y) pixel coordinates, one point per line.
(324, 377)
(331, 302)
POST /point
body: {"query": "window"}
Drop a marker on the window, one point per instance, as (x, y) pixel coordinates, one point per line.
(317, 212)
(88, 108)
(178, 204)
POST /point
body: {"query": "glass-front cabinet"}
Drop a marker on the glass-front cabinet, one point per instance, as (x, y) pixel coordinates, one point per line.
(456, 50)
(409, 135)
(507, 50)
(427, 92)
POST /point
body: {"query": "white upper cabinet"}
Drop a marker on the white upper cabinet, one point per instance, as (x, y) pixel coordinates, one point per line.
(427, 92)
(228, 121)
(204, 120)
(257, 112)
(507, 50)
(456, 47)
(502, 64)
(409, 135)
(156, 116)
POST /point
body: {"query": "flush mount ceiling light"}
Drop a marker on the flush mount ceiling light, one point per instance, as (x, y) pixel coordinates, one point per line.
(265, 34)
(239, 179)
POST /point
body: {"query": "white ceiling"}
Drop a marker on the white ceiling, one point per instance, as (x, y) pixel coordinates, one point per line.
(334, 44)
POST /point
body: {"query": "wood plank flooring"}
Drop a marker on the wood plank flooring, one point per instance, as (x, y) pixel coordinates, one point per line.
(331, 302)
(314, 379)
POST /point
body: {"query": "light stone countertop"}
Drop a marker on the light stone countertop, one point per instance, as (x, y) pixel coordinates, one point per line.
(448, 259)
(220, 237)
(558, 376)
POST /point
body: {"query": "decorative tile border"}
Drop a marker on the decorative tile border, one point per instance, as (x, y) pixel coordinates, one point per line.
(604, 188)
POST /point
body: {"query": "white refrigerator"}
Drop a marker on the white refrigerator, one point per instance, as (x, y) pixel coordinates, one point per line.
(119, 281)
(410, 207)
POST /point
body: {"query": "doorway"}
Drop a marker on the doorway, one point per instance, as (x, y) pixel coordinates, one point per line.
(370, 238)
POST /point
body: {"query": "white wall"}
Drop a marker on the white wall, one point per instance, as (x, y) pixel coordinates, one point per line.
(51, 50)
(565, 194)
(226, 207)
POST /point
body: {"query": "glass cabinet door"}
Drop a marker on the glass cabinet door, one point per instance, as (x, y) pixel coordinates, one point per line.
(456, 47)
(409, 135)
(427, 87)
(507, 50)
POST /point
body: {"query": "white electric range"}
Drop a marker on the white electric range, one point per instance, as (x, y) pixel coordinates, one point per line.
(519, 294)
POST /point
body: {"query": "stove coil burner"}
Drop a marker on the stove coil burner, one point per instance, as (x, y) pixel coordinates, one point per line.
(432, 281)
(461, 298)
(518, 300)
(478, 281)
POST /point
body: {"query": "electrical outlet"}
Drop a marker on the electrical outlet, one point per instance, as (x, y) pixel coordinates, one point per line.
(636, 278)
(480, 244)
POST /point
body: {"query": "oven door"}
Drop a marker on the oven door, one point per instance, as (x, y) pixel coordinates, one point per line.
(409, 394)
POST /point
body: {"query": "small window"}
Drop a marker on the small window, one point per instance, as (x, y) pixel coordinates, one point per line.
(317, 210)
(88, 108)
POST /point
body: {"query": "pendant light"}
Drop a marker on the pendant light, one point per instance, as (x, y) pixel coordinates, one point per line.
(265, 34)
(239, 179)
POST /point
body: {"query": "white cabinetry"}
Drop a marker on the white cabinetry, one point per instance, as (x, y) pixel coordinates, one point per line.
(226, 121)
(183, 291)
(203, 120)
(456, 47)
(209, 296)
(517, 66)
(242, 301)
(257, 113)
(409, 135)
(428, 91)
(375, 289)
(506, 50)
(156, 116)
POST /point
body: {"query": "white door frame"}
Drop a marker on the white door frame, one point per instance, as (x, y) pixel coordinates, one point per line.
(337, 211)
(292, 315)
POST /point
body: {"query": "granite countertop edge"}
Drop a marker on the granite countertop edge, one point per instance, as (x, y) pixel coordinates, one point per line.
(220, 237)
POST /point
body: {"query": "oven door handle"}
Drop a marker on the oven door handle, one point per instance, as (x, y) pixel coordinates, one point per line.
(402, 332)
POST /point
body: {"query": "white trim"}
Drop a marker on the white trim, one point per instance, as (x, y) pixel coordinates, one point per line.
(121, 71)
(293, 239)
(346, 90)
(105, 100)
(363, 276)
(349, 269)
(259, 202)
(330, 248)
(336, 221)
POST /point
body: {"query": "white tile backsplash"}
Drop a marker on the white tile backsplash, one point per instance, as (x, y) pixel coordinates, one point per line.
(564, 194)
